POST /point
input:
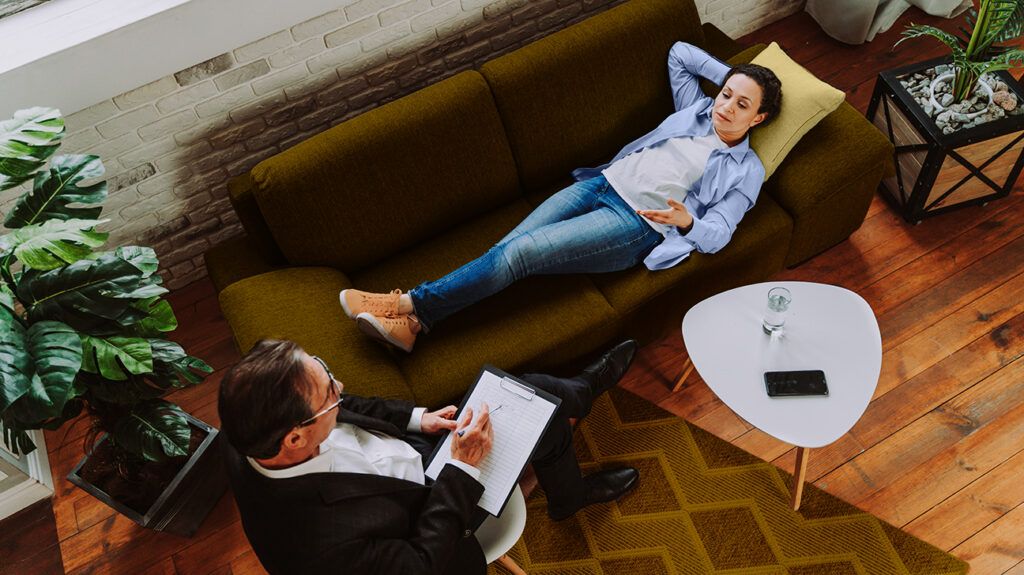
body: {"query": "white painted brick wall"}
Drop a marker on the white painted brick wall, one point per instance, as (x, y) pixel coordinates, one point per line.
(170, 146)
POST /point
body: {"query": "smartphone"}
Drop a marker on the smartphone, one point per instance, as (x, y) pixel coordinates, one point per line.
(795, 383)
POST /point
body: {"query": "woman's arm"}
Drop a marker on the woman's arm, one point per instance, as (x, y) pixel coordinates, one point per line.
(686, 65)
(713, 231)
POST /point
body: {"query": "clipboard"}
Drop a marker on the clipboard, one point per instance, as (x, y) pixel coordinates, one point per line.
(522, 394)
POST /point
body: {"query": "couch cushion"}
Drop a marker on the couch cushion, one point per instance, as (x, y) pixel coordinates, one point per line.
(301, 304)
(577, 96)
(389, 178)
(628, 290)
(806, 100)
(535, 323)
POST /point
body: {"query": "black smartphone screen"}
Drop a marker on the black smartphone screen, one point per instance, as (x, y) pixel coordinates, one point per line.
(795, 383)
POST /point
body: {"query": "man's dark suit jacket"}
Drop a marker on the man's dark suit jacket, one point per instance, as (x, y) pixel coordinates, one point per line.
(355, 523)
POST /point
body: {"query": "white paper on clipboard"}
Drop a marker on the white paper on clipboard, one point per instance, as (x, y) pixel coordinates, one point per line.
(518, 426)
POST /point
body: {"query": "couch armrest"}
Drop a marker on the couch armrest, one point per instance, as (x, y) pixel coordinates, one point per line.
(301, 304)
(243, 200)
(827, 181)
(237, 259)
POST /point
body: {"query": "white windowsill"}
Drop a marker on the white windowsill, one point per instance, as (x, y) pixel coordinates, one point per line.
(71, 54)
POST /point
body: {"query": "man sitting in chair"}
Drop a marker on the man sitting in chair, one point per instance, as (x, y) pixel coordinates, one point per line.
(333, 481)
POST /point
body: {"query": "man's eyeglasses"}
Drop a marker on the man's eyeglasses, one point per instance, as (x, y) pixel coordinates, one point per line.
(337, 393)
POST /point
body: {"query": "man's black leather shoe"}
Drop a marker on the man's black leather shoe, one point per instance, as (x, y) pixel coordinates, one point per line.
(606, 372)
(601, 487)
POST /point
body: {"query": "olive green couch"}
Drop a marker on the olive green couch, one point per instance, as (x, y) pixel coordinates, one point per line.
(411, 190)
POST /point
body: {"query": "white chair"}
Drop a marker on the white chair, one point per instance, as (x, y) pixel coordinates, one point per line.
(498, 534)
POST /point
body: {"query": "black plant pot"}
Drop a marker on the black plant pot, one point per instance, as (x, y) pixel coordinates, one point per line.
(187, 499)
(937, 172)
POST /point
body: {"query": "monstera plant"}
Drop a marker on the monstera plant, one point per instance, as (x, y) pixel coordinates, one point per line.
(80, 329)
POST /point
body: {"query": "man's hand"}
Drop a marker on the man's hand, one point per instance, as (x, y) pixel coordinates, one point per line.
(475, 443)
(435, 422)
(676, 215)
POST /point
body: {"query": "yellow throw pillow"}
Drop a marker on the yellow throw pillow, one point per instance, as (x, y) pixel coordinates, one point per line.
(805, 101)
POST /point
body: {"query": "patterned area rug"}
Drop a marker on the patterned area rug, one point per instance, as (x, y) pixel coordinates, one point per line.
(705, 506)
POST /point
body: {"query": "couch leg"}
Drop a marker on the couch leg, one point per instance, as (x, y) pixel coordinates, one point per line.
(507, 562)
(687, 368)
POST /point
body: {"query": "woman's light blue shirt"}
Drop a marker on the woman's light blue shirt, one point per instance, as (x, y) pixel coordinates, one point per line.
(732, 178)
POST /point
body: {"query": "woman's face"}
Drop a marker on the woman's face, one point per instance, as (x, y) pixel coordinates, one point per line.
(735, 110)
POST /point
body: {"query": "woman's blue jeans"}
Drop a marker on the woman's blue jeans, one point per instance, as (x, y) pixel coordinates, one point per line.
(585, 228)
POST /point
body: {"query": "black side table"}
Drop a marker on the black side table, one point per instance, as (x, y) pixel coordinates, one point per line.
(938, 172)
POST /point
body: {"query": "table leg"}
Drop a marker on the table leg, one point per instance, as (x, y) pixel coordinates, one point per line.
(508, 563)
(687, 368)
(799, 476)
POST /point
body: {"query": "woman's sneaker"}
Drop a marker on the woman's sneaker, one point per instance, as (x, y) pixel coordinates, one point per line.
(398, 330)
(355, 302)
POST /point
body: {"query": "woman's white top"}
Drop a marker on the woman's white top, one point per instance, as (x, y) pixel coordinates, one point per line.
(647, 178)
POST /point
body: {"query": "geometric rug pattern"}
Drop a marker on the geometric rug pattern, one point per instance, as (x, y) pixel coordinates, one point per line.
(704, 506)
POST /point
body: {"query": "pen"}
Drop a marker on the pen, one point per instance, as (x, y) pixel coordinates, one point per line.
(462, 432)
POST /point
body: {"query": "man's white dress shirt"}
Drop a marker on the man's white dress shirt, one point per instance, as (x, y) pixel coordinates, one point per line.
(352, 449)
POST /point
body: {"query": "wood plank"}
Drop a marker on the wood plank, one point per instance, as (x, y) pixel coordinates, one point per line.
(948, 472)
(971, 509)
(1017, 569)
(164, 566)
(948, 294)
(952, 333)
(29, 543)
(214, 552)
(917, 396)
(247, 564)
(117, 546)
(996, 548)
(885, 244)
(723, 422)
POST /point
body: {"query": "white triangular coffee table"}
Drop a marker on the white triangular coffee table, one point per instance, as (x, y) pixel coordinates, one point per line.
(827, 328)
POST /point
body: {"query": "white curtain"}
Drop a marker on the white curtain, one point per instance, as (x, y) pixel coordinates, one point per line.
(857, 21)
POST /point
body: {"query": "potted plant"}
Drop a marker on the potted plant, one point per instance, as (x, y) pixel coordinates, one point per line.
(82, 329)
(955, 121)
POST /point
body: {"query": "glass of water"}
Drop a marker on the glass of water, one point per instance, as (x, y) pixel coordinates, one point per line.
(774, 320)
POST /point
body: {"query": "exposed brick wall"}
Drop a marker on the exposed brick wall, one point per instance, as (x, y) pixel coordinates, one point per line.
(170, 146)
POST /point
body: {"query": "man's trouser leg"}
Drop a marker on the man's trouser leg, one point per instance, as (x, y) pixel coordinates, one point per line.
(554, 461)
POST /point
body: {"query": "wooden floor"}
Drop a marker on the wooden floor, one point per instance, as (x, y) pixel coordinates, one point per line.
(939, 452)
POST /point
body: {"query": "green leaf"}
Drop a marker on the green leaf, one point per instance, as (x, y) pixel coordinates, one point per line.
(53, 243)
(172, 368)
(107, 356)
(157, 317)
(57, 187)
(919, 30)
(171, 363)
(154, 430)
(15, 362)
(144, 259)
(88, 295)
(1005, 23)
(56, 352)
(26, 141)
(6, 299)
(17, 440)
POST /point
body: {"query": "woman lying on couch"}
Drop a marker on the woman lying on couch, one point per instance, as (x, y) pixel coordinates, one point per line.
(683, 186)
